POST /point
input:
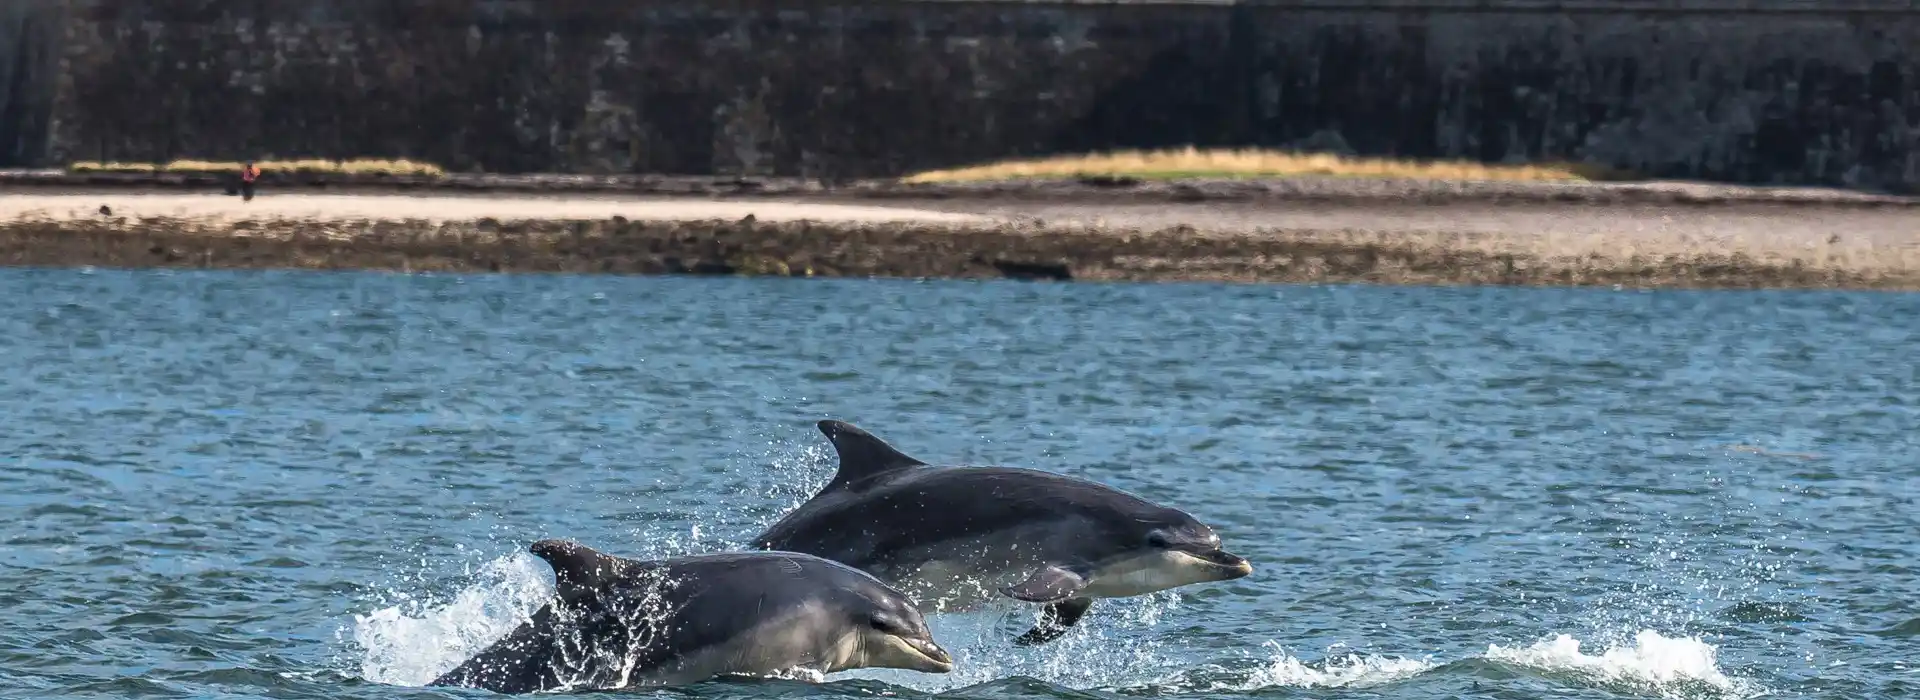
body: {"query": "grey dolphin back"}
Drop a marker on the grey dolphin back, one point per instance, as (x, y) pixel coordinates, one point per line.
(518, 663)
(862, 455)
(612, 616)
(582, 635)
(865, 458)
(568, 639)
(585, 635)
(579, 572)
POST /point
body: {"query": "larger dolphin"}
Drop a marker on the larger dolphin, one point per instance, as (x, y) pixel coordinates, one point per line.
(953, 537)
(617, 623)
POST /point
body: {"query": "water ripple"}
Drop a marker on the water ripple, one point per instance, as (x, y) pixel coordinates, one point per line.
(292, 485)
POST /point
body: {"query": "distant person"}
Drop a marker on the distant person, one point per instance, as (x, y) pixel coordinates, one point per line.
(248, 175)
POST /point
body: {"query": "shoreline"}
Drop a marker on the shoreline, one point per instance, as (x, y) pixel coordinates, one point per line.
(1751, 246)
(1319, 189)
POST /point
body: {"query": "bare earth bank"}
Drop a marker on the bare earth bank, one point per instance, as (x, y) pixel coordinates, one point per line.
(1470, 241)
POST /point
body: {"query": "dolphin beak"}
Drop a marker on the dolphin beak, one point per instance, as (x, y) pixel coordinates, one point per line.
(938, 660)
(1235, 565)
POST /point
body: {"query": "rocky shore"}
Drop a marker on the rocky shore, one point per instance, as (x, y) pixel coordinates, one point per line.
(1844, 240)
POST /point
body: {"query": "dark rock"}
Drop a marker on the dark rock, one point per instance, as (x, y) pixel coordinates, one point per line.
(1033, 271)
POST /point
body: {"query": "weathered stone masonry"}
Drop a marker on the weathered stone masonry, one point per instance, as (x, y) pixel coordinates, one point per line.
(1775, 91)
(30, 33)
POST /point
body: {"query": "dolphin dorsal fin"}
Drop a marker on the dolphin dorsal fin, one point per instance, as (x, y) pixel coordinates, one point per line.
(578, 570)
(861, 454)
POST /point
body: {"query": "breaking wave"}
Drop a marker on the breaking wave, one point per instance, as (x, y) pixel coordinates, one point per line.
(1653, 663)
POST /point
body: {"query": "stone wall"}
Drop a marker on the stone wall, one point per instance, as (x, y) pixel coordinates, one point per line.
(30, 31)
(1779, 91)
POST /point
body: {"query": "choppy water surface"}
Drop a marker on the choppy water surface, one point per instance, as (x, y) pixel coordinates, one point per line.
(284, 485)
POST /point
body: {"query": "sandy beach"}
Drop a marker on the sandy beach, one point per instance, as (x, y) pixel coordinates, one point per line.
(1273, 240)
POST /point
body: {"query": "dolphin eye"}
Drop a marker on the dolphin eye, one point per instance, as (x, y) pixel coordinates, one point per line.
(885, 623)
(1158, 540)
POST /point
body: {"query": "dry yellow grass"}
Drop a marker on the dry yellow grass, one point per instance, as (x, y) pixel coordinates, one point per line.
(362, 166)
(1252, 163)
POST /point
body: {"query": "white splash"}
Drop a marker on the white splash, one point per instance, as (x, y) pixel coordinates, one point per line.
(1113, 649)
(1668, 666)
(1661, 666)
(803, 675)
(1282, 669)
(415, 641)
(1345, 671)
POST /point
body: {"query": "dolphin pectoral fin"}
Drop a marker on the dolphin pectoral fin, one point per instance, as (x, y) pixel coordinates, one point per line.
(1047, 585)
(861, 454)
(1055, 620)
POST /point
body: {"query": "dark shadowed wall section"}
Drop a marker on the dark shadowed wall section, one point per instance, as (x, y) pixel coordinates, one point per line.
(1739, 90)
(31, 34)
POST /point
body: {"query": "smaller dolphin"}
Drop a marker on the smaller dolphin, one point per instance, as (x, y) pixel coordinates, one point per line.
(616, 622)
(953, 536)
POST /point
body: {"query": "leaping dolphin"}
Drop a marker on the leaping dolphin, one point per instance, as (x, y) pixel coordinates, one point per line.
(617, 623)
(953, 536)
